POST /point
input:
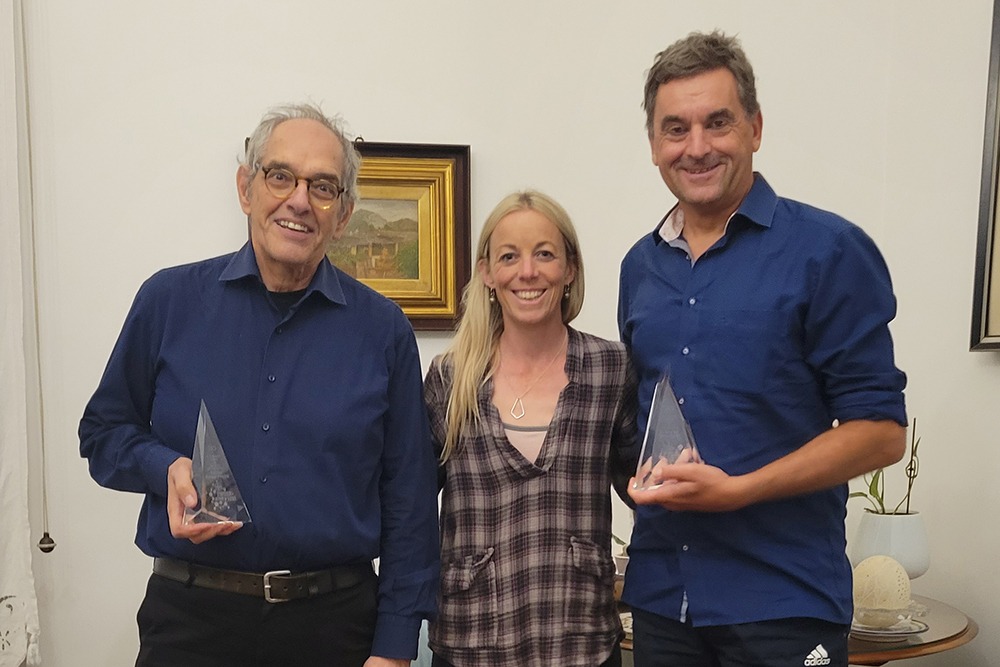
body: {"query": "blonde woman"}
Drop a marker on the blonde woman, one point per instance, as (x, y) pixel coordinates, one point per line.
(533, 422)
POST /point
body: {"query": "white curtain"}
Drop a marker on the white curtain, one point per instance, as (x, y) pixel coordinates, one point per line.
(18, 605)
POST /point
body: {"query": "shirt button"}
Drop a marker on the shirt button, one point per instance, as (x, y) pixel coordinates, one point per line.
(685, 350)
(692, 301)
(266, 427)
(270, 378)
(680, 401)
(684, 548)
(263, 480)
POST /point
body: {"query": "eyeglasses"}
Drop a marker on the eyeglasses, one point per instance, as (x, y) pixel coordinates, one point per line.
(282, 183)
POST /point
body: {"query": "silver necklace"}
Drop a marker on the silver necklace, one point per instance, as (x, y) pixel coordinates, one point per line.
(517, 407)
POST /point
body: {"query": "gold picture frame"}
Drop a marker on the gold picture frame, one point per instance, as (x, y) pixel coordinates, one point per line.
(408, 238)
(986, 292)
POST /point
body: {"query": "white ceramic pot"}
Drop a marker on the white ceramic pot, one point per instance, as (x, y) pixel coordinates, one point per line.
(899, 536)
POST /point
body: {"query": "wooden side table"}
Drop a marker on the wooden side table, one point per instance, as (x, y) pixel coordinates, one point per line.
(947, 628)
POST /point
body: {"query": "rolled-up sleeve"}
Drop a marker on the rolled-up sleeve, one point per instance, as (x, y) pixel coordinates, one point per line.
(848, 336)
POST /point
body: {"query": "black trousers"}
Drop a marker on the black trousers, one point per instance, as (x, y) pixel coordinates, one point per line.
(614, 661)
(199, 627)
(787, 642)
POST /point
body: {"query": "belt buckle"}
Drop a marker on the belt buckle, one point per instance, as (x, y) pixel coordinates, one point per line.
(267, 585)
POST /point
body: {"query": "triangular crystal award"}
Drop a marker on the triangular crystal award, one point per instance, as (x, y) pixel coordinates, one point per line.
(668, 437)
(219, 499)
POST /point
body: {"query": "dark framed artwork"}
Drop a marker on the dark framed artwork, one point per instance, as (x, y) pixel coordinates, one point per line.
(409, 236)
(986, 294)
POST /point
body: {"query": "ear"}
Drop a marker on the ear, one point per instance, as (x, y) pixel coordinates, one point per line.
(758, 127)
(570, 274)
(652, 149)
(341, 224)
(483, 266)
(243, 188)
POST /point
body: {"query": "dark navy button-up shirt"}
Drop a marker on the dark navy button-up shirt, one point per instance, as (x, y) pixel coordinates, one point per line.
(776, 331)
(319, 411)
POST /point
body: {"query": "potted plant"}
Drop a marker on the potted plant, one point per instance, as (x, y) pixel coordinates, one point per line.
(897, 532)
(875, 482)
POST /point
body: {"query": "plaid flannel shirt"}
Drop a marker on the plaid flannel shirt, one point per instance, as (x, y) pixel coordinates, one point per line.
(527, 574)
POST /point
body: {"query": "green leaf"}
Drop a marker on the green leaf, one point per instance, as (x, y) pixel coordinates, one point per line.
(873, 485)
(875, 491)
(862, 494)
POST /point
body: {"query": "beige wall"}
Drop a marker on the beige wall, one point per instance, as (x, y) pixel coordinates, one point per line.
(872, 109)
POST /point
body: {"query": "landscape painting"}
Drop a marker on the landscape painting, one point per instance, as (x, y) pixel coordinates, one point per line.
(381, 241)
(408, 238)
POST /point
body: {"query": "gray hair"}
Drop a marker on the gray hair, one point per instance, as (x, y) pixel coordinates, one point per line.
(275, 116)
(695, 54)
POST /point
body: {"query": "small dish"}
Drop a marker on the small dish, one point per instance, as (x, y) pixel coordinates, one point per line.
(886, 618)
(894, 633)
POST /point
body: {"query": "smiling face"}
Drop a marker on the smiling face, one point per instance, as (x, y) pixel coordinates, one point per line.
(290, 236)
(529, 269)
(703, 143)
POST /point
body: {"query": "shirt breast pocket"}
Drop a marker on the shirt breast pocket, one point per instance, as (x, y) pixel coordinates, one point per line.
(745, 348)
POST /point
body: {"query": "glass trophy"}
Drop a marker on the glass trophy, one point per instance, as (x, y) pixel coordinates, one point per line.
(668, 438)
(219, 499)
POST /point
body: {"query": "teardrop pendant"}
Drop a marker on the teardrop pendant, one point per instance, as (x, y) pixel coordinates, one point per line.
(517, 409)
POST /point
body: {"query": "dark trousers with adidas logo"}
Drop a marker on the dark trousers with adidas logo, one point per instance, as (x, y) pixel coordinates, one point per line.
(789, 642)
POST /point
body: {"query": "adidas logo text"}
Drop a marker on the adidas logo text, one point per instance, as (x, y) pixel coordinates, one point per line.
(817, 658)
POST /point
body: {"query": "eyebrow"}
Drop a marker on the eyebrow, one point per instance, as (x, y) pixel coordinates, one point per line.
(724, 112)
(538, 245)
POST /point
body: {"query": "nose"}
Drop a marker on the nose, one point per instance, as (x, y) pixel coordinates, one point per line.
(527, 267)
(697, 143)
(299, 199)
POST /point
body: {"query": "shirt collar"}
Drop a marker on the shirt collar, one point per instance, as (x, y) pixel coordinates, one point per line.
(325, 280)
(574, 355)
(760, 203)
(757, 207)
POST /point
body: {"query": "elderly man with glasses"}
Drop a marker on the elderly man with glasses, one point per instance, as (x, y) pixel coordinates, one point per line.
(313, 384)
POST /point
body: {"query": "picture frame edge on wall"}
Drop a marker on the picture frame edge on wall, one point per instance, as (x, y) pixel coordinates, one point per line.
(436, 178)
(985, 333)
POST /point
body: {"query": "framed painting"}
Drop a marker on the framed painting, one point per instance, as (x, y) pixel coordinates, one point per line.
(986, 293)
(408, 238)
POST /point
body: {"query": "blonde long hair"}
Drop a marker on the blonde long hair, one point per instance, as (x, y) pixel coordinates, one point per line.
(472, 354)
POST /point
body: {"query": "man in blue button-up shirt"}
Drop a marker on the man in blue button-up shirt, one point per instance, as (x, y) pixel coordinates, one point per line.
(771, 318)
(313, 383)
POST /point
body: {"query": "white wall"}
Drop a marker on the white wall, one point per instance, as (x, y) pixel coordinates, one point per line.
(139, 110)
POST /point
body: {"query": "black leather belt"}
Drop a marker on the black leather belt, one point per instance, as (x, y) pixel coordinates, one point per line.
(274, 586)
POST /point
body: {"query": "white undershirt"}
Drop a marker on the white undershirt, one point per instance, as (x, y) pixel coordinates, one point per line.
(526, 439)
